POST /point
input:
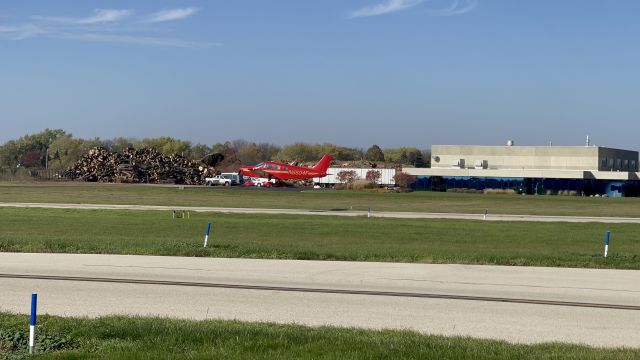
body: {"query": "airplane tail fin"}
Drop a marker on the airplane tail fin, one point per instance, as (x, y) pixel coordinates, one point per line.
(323, 164)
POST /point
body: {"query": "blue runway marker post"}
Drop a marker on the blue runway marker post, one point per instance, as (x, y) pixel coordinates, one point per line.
(32, 323)
(606, 243)
(486, 211)
(206, 234)
(369, 213)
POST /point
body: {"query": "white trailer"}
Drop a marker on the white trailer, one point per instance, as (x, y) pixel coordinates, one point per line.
(386, 176)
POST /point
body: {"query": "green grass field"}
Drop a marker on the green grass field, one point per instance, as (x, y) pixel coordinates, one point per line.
(420, 201)
(155, 338)
(319, 237)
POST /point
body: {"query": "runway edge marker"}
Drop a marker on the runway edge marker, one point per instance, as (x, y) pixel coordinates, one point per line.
(607, 237)
(32, 323)
(206, 234)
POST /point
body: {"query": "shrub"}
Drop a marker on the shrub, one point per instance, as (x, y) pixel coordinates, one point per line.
(359, 185)
(347, 176)
(16, 342)
(373, 176)
(500, 192)
(464, 191)
(403, 179)
(567, 193)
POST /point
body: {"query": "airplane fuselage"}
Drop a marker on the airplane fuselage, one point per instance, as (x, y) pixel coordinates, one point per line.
(280, 171)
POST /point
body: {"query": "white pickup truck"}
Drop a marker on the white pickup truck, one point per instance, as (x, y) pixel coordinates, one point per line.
(219, 180)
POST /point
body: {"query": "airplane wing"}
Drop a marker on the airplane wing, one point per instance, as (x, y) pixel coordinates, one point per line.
(277, 175)
(268, 174)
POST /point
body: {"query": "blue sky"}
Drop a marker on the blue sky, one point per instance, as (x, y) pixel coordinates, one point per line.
(352, 72)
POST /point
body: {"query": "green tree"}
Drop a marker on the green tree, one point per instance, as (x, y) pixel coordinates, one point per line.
(166, 145)
(374, 153)
(403, 159)
(199, 151)
(66, 150)
(340, 153)
(221, 148)
(10, 154)
(396, 155)
(419, 161)
(119, 144)
(248, 154)
(348, 154)
(267, 151)
(30, 148)
(426, 156)
(299, 151)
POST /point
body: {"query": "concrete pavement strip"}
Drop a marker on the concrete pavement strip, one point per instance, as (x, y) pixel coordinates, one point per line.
(350, 213)
(514, 322)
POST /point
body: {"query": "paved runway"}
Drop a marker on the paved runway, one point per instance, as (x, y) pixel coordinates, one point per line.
(517, 304)
(383, 214)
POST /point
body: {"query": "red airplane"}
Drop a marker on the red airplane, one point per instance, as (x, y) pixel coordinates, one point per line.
(280, 171)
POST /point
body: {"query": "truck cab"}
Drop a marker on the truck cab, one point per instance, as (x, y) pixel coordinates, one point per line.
(220, 180)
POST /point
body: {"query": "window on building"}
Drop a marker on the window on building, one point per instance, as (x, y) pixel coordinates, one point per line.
(633, 166)
(625, 165)
(619, 164)
(603, 163)
(610, 163)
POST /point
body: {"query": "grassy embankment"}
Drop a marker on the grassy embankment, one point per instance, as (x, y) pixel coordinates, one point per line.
(420, 201)
(319, 237)
(154, 338)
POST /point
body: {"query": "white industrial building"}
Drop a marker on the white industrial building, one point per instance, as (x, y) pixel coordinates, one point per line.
(531, 169)
(386, 176)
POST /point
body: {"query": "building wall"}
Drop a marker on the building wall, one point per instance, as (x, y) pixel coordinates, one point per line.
(539, 186)
(617, 160)
(520, 173)
(517, 157)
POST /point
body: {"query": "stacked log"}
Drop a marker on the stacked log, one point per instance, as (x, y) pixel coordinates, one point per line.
(143, 166)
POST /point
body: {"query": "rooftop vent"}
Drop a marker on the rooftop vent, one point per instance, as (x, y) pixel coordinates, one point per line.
(510, 143)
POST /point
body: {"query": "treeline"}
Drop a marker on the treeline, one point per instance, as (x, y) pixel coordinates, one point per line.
(58, 150)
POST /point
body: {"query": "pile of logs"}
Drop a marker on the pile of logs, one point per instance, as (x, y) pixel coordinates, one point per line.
(143, 166)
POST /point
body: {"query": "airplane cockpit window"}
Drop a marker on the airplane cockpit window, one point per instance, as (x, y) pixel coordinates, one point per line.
(260, 166)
